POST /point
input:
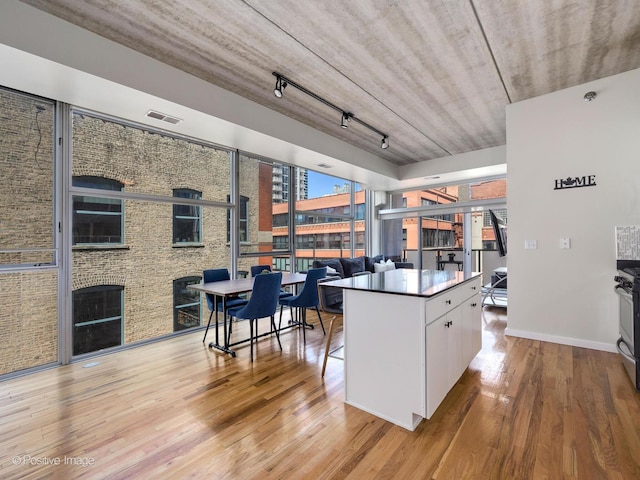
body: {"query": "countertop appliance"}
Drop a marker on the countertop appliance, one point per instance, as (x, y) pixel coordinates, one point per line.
(628, 289)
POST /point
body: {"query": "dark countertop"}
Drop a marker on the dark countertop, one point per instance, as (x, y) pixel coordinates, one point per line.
(419, 283)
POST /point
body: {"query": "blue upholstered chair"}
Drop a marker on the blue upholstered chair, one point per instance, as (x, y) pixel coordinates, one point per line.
(217, 275)
(307, 298)
(262, 303)
(258, 269)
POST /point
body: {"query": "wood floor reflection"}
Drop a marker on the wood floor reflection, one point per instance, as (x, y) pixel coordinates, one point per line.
(175, 409)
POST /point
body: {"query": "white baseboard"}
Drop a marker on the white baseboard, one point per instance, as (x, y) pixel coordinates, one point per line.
(574, 342)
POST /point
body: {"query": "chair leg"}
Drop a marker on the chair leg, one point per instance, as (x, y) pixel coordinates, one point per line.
(320, 318)
(273, 325)
(207, 330)
(280, 322)
(326, 350)
(251, 334)
(304, 325)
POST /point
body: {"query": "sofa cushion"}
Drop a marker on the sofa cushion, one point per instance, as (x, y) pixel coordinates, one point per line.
(370, 261)
(352, 265)
(384, 266)
(330, 262)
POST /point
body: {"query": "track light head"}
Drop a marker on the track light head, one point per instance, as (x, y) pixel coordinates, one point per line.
(385, 143)
(346, 118)
(280, 86)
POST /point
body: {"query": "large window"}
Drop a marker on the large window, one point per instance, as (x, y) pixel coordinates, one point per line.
(186, 304)
(187, 219)
(97, 318)
(29, 292)
(243, 220)
(97, 220)
(174, 194)
(26, 180)
(326, 219)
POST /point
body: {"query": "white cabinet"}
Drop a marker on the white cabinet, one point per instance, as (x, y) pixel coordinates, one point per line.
(452, 340)
(404, 352)
(444, 359)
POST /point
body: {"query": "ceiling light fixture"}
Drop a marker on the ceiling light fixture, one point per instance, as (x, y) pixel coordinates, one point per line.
(346, 118)
(282, 82)
(590, 96)
(280, 86)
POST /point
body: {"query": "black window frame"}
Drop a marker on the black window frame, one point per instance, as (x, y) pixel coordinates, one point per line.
(79, 200)
(97, 319)
(182, 214)
(181, 292)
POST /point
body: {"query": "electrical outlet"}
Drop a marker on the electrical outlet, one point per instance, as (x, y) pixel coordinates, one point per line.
(565, 243)
(530, 244)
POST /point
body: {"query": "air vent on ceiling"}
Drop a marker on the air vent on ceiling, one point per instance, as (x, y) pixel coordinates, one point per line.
(163, 116)
(324, 165)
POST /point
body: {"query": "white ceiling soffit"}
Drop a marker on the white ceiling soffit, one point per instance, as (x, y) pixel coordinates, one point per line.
(435, 75)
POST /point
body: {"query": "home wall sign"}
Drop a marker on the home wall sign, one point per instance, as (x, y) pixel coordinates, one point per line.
(575, 182)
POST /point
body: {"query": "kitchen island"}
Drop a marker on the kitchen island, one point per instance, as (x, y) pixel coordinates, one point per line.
(408, 335)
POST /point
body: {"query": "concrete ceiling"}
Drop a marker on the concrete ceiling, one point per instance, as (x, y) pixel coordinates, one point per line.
(434, 75)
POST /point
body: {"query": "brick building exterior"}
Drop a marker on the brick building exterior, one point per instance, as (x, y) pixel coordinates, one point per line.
(148, 260)
(29, 313)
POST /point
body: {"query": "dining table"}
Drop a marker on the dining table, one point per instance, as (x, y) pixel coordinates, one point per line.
(226, 289)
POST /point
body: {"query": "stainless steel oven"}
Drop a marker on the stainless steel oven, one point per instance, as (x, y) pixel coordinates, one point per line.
(628, 345)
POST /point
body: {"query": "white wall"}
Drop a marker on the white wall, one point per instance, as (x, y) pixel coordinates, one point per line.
(566, 296)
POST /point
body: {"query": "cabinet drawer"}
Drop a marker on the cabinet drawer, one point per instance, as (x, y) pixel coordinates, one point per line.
(441, 304)
(471, 288)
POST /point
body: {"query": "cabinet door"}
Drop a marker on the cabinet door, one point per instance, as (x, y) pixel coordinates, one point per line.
(437, 373)
(456, 358)
(471, 329)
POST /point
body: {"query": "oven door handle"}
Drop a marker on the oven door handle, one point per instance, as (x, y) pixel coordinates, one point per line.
(620, 290)
(621, 352)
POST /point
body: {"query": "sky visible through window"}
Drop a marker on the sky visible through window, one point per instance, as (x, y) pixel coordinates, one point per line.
(321, 184)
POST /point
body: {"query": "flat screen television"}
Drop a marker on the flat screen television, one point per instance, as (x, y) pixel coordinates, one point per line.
(500, 231)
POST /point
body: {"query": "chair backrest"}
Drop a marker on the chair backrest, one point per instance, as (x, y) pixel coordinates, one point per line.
(309, 295)
(264, 296)
(214, 275)
(258, 269)
(327, 297)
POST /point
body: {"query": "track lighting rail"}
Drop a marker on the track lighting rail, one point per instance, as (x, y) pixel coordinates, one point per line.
(282, 82)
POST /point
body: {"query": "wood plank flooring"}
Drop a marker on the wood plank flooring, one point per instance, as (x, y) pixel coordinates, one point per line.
(175, 409)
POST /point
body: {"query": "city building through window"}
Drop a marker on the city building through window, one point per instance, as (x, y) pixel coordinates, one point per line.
(97, 220)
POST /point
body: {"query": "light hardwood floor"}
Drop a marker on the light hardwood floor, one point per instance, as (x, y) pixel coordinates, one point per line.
(171, 410)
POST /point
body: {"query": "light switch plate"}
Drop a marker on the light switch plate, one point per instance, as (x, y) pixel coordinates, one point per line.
(530, 244)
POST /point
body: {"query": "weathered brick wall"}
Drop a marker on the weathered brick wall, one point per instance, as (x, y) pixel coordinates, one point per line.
(149, 262)
(29, 315)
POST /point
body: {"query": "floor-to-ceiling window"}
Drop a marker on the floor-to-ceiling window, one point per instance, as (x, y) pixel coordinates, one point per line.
(329, 222)
(150, 213)
(147, 211)
(433, 234)
(28, 244)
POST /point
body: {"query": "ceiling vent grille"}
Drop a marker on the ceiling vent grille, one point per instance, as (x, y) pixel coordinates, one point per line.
(164, 117)
(325, 165)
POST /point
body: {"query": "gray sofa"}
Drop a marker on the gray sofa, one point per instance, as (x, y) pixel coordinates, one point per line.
(348, 267)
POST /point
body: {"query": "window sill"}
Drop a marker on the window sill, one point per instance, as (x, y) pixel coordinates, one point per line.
(188, 245)
(100, 247)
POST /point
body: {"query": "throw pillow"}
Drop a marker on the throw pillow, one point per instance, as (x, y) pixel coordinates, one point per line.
(330, 262)
(383, 266)
(352, 265)
(369, 262)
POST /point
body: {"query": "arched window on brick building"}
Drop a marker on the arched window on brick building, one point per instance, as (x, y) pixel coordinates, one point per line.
(97, 318)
